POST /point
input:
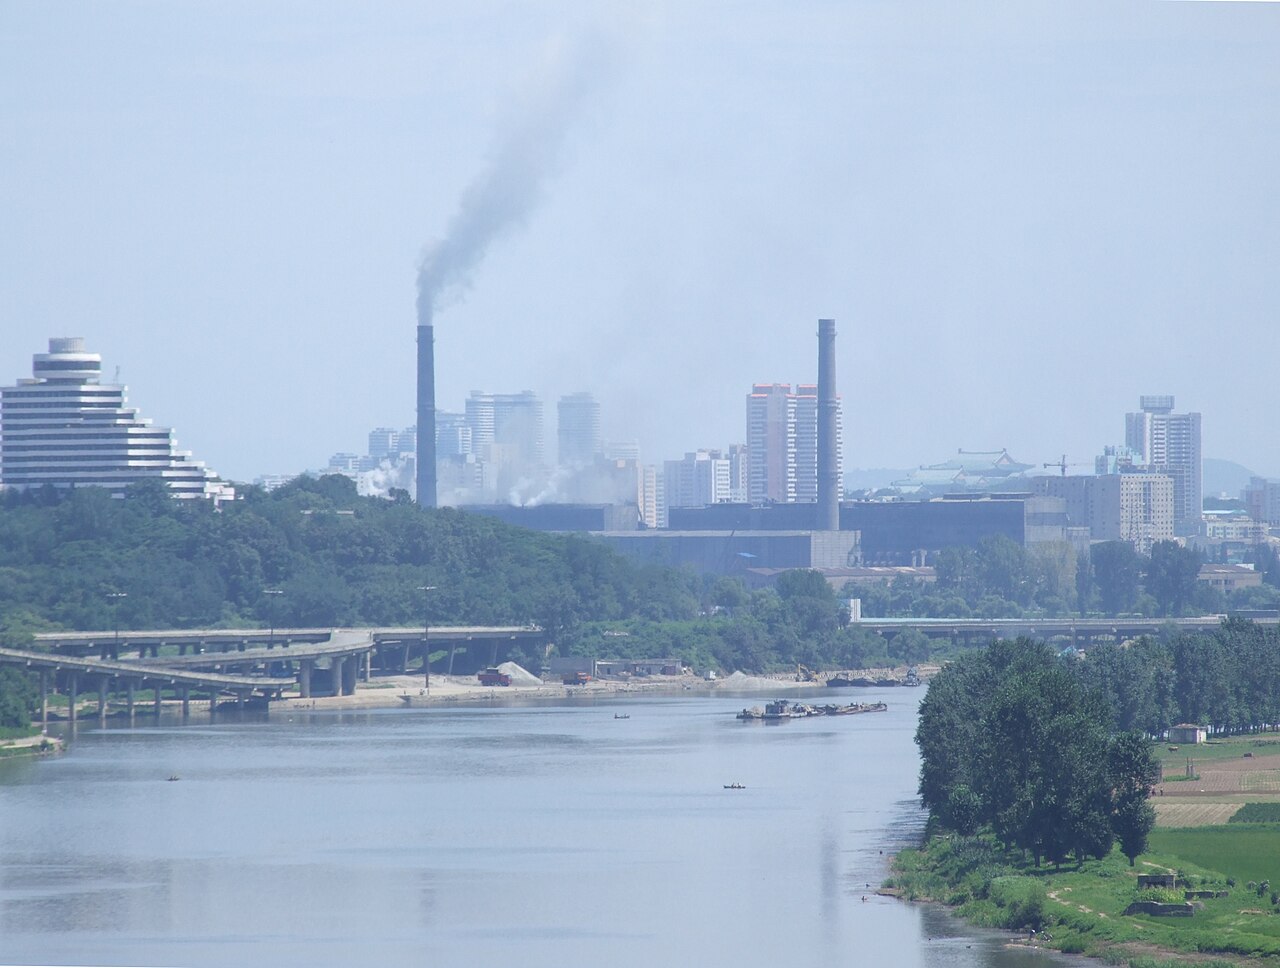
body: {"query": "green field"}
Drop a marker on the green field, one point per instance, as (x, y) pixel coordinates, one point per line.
(1233, 747)
(1247, 852)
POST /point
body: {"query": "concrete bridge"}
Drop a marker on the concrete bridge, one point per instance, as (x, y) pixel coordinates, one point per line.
(108, 676)
(1077, 630)
(242, 662)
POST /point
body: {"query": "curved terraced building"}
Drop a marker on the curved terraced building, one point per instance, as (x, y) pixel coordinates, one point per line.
(64, 428)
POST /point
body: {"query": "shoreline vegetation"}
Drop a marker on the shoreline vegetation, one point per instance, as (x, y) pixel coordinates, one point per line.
(1099, 908)
(1053, 814)
(38, 744)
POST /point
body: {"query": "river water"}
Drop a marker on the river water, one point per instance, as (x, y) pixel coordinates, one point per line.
(550, 834)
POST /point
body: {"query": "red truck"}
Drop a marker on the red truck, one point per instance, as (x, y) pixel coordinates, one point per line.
(575, 678)
(492, 677)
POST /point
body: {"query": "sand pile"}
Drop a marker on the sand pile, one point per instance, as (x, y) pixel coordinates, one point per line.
(520, 676)
(740, 681)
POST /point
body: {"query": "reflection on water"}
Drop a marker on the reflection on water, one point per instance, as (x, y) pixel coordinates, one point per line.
(532, 834)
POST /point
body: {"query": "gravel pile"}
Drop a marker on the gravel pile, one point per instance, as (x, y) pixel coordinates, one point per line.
(520, 676)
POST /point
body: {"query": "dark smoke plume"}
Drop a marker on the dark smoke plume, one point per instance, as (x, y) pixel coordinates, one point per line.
(505, 192)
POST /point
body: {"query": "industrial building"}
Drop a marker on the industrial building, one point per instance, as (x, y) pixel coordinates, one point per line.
(902, 532)
(737, 552)
(562, 517)
(64, 428)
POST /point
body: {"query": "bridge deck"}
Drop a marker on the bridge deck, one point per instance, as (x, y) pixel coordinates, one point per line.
(134, 670)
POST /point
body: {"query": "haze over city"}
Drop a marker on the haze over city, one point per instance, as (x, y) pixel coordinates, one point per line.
(1022, 218)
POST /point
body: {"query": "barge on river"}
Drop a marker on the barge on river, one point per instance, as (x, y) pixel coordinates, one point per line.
(781, 710)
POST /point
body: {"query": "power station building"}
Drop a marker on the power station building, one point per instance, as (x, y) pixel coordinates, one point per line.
(64, 428)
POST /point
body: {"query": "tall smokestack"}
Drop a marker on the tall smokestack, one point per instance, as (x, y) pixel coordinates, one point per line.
(426, 416)
(828, 414)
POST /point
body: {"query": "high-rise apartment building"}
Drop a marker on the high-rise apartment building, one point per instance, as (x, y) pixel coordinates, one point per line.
(383, 442)
(782, 443)
(64, 428)
(1169, 443)
(453, 435)
(1132, 507)
(771, 443)
(1262, 499)
(698, 479)
(652, 497)
(578, 430)
(508, 422)
(739, 466)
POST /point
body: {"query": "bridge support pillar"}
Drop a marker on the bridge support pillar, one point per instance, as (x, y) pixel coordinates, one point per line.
(304, 677)
(102, 697)
(240, 701)
(453, 647)
(186, 701)
(129, 688)
(73, 685)
(44, 697)
(337, 672)
(366, 667)
(350, 673)
(157, 700)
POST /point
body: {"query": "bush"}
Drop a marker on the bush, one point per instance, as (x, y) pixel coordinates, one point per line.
(1257, 813)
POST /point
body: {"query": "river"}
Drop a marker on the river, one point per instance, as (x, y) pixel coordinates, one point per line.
(549, 834)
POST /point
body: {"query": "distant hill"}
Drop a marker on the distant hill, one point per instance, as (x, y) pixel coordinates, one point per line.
(1225, 477)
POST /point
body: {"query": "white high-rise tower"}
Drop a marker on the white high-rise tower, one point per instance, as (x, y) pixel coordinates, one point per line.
(64, 428)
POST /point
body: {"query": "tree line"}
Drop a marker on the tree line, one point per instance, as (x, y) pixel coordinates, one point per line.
(314, 554)
(1001, 579)
(1227, 679)
(1012, 739)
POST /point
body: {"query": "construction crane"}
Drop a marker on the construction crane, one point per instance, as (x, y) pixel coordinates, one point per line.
(1064, 465)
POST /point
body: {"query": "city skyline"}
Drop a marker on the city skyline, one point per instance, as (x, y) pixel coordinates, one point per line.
(988, 259)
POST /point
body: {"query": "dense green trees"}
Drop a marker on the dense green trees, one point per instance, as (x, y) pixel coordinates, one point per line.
(18, 698)
(1012, 739)
(1000, 579)
(338, 559)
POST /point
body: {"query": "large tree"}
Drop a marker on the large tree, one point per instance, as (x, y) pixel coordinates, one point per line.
(1171, 576)
(1133, 771)
(1117, 569)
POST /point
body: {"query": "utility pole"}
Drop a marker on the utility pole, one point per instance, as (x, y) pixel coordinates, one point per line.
(426, 630)
(274, 593)
(115, 621)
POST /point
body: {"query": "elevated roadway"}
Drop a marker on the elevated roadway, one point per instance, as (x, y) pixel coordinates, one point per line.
(108, 673)
(1075, 629)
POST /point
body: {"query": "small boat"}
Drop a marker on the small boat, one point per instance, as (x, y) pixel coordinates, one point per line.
(173, 779)
(734, 786)
(621, 715)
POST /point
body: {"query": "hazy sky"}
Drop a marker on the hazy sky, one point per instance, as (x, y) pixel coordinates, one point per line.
(1021, 215)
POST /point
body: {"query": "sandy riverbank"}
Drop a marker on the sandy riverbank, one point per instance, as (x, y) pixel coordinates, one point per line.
(391, 691)
(411, 690)
(38, 745)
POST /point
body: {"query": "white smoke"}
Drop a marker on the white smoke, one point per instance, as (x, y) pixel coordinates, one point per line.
(530, 492)
(387, 475)
(523, 156)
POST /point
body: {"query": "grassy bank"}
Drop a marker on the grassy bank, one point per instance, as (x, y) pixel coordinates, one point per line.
(1081, 910)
